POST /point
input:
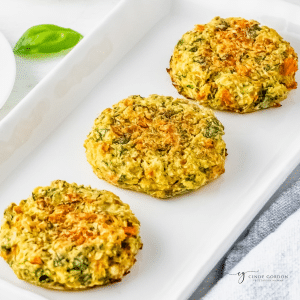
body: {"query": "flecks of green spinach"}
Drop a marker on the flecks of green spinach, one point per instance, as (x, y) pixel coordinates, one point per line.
(213, 128)
(194, 49)
(85, 279)
(203, 170)
(122, 178)
(101, 133)
(222, 26)
(169, 113)
(45, 278)
(200, 60)
(199, 40)
(253, 31)
(80, 263)
(180, 42)
(122, 151)
(58, 261)
(264, 100)
(122, 140)
(191, 177)
(46, 39)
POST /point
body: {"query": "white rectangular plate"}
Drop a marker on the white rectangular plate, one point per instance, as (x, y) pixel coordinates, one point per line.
(183, 237)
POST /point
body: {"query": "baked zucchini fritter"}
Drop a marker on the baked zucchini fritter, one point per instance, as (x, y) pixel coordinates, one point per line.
(234, 64)
(157, 145)
(67, 236)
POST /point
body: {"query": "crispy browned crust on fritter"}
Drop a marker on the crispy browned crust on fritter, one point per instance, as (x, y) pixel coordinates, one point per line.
(157, 145)
(68, 237)
(234, 64)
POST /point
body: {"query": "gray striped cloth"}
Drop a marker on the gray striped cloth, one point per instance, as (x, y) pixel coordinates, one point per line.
(263, 263)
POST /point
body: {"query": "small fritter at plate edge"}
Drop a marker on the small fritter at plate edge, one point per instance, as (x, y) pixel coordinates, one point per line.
(69, 237)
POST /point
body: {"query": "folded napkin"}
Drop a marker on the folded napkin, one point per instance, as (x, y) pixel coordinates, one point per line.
(270, 245)
(264, 264)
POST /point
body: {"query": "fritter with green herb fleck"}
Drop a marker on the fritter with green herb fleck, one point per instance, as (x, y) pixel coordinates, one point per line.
(157, 145)
(234, 64)
(67, 236)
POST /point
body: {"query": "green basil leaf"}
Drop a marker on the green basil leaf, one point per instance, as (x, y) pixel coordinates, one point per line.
(46, 39)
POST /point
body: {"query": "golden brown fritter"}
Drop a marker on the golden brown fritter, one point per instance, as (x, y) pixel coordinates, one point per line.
(67, 236)
(234, 64)
(157, 145)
